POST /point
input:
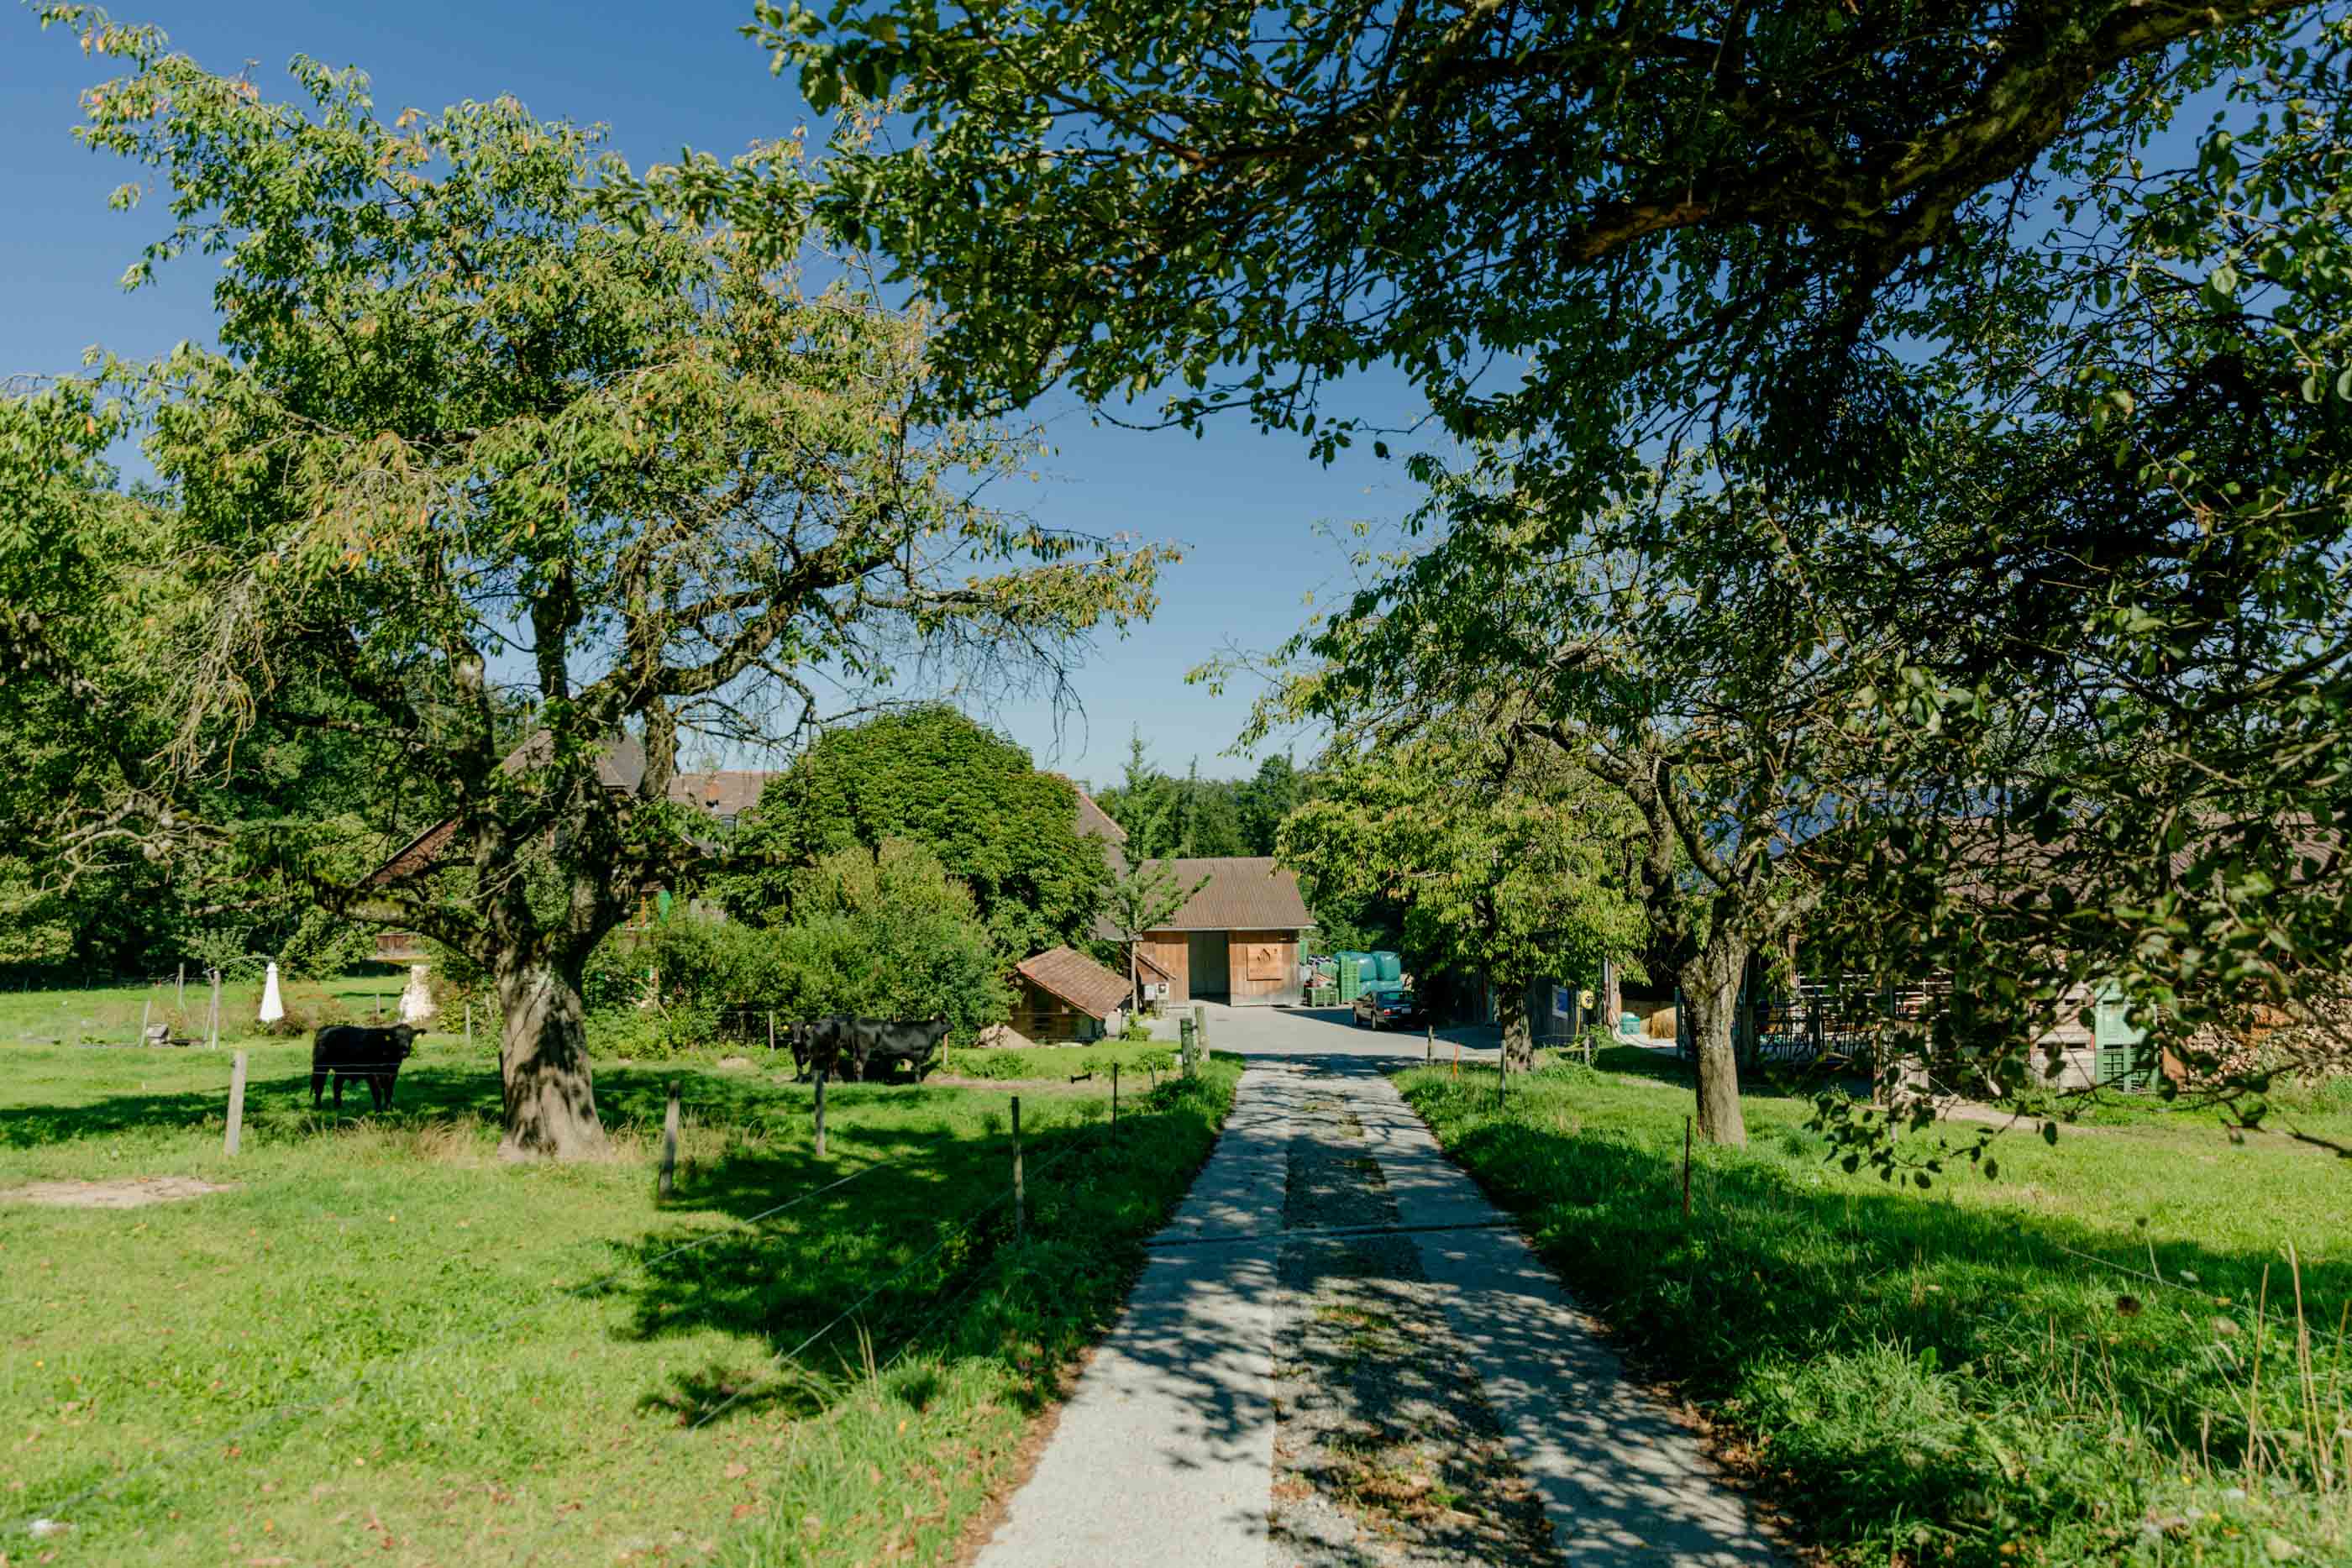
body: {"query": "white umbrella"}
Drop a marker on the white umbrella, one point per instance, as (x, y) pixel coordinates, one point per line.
(272, 1009)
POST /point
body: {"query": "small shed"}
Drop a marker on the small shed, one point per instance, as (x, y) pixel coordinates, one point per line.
(1067, 998)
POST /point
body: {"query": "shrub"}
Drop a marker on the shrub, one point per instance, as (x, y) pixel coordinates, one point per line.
(324, 945)
(882, 934)
(888, 933)
(1137, 1029)
(306, 1014)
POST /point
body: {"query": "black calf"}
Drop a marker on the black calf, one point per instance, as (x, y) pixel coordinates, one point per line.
(371, 1055)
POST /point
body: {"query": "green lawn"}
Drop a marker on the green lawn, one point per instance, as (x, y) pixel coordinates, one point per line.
(385, 1342)
(111, 1014)
(2096, 1357)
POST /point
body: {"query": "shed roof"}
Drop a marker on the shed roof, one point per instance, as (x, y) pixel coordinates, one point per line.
(1077, 980)
(1152, 968)
(1241, 892)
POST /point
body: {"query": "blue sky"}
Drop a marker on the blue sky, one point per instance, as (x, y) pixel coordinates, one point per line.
(663, 76)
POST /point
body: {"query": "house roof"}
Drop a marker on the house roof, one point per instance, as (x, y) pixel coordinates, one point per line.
(620, 766)
(1093, 819)
(726, 794)
(1239, 893)
(1077, 980)
(1152, 968)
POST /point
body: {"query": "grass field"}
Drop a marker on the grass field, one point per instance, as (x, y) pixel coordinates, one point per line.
(384, 1343)
(2095, 1357)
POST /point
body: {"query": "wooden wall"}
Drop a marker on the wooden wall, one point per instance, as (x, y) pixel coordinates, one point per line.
(1040, 1016)
(1273, 951)
(1264, 969)
(1173, 953)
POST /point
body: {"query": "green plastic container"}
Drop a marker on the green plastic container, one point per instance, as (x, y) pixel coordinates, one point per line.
(1351, 978)
(1387, 967)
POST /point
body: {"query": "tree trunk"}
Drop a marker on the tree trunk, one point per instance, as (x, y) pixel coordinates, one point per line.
(1519, 1041)
(1710, 986)
(551, 1098)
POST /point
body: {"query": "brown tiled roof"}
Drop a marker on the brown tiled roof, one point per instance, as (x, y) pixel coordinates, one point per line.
(621, 766)
(1243, 892)
(415, 856)
(726, 794)
(1077, 980)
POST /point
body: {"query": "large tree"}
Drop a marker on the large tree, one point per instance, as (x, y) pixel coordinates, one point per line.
(469, 462)
(1504, 866)
(1676, 664)
(938, 778)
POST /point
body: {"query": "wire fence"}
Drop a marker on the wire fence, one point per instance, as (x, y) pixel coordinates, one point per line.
(1073, 1135)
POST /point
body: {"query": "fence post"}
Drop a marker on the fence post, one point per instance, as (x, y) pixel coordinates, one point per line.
(1184, 1044)
(1113, 1103)
(146, 1014)
(1020, 1198)
(1687, 1154)
(235, 1104)
(1429, 1047)
(1201, 1029)
(469, 1026)
(820, 1111)
(179, 986)
(771, 1031)
(669, 1143)
(215, 1042)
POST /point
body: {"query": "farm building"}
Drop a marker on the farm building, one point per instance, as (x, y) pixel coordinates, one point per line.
(2094, 1043)
(1238, 939)
(1065, 997)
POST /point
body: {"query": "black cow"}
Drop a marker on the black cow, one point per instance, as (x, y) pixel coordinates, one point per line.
(816, 1046)
(862, 1050)
(879, 1046)
(372, 1055)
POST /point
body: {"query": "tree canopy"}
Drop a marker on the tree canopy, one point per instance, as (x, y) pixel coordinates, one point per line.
(2029, 393)
(937, 778)
(1669, 215)
(1503, 869)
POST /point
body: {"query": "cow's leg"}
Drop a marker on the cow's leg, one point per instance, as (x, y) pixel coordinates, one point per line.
(318, 1088)
(338, 1092)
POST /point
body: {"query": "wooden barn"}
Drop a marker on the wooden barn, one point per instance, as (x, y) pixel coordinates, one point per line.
(1238, 939)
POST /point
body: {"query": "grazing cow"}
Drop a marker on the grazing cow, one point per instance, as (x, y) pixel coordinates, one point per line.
(372, 1055)
(880, 1046)
(862, 1049)
(816, 1046)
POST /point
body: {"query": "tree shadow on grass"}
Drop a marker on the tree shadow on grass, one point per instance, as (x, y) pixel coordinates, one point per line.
(915, 1255)
(1991, 1373)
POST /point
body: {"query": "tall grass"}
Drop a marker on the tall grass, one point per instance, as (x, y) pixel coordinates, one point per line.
(2130, 1347)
